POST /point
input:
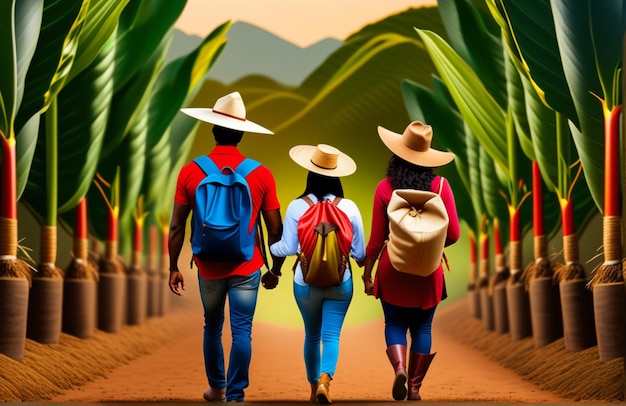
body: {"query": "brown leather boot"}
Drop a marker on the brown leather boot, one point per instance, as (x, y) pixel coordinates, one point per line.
(313, 397)
(418, 366)
(397, 357)
(323, 389)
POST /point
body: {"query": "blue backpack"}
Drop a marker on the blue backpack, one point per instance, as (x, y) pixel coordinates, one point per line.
(220, 223)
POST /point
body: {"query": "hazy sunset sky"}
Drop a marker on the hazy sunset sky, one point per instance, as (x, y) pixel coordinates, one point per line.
(302, 22)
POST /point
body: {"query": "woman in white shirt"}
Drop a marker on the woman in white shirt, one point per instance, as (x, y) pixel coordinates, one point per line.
(324, 308)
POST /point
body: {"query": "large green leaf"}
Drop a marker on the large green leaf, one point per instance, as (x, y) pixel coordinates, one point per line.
(580, 44)
(476, 38)
(20, 23)
(142, 27)
(125, 142)
(530, 36)
(102, 19)
(82, 115)
(130, 101)
(492, 191)
(482, 113)
(56, 48)
(25, 144)
(532, 41)
(517, 104)
(476, 187)
(607, 21)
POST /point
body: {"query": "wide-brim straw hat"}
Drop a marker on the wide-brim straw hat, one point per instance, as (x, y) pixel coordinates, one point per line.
(228, 111)
(413, 145)
(323, 159)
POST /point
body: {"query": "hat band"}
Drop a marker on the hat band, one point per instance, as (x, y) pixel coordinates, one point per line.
(323, 167)
(229, 115)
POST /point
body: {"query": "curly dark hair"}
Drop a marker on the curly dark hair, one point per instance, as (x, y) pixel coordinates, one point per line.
(405, 175)
(321, 185)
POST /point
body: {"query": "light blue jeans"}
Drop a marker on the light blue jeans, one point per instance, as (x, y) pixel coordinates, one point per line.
(323, 311)
(242, 292)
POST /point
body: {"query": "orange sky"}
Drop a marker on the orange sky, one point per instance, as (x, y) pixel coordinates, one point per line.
(302, 22)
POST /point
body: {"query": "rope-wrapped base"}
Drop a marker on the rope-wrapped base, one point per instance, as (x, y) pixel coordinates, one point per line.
(606, 273)
(79, 269)
(49, 271)
(110, 265)
(15, 268)
(569, 272)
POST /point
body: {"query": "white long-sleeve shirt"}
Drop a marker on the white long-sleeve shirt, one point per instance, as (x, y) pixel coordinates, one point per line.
(290, 245)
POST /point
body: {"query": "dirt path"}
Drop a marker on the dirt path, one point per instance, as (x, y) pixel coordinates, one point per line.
(175, 372)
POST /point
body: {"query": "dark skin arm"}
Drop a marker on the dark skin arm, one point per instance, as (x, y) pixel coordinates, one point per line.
(367, 276)
(175, 245)
(274, 225)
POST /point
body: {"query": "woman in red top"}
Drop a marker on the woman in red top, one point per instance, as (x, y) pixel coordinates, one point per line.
(408, 301)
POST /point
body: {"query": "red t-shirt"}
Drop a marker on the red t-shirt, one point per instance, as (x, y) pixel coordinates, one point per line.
(399, 288)
(263, 191)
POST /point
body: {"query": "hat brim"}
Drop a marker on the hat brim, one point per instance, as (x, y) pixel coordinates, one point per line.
(301, 154)
(430, 159)
(209, 116)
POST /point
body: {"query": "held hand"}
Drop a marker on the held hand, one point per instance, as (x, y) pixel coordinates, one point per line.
(368, 286)
(176, 279)
(269, 280)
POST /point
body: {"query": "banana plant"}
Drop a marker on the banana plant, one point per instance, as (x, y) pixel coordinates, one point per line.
(553, 60)
(135, 50)
(62, 130)
(18, 42)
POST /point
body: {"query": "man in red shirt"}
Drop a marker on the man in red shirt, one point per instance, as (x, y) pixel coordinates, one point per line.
(237, 281)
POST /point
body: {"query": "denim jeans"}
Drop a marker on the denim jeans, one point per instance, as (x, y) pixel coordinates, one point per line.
(242, 292)
(323, 311)
(417, 321)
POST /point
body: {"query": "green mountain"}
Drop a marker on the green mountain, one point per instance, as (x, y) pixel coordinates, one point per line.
(252, 50)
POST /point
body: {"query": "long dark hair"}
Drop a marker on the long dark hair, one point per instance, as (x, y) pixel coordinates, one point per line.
(321, 185)
(405, 175)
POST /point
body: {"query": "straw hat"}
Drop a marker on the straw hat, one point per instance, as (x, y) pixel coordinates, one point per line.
(323, 159)
(230, 112)
(413, 145)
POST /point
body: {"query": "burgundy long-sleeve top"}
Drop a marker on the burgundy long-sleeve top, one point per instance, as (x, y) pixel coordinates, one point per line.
(399, 288)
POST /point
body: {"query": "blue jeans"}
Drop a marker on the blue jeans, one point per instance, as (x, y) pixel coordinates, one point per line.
(417, 321)
(323, 311)
(242, 292)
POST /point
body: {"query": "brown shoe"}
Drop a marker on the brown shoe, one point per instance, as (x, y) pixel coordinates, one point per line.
(313, 398)
(215, 395)
(323, 389)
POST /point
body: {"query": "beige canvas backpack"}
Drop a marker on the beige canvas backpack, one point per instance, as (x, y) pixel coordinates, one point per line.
(418, 226)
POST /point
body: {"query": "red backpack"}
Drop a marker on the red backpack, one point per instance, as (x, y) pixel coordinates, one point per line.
(325, 235)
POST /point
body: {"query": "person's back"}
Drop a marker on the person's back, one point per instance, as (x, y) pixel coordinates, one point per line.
(323, 308)
(408, 301)
(220, 279)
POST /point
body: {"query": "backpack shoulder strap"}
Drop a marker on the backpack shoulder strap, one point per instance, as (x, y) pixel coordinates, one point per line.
(441, 179)
(206, 164)
(337, 200)
(308, 200)
(247, 166)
